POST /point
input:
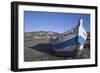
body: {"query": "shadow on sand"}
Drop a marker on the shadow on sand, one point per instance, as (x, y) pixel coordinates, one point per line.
(45, 48)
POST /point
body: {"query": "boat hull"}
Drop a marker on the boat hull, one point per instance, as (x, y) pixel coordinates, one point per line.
(67, 47)
(67, 43)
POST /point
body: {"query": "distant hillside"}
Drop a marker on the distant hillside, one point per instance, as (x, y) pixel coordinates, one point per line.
(41, 34)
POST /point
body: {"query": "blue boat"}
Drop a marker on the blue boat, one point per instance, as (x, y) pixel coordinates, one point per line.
(70, 43)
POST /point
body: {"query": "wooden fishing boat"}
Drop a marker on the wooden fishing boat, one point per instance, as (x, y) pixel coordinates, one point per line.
(70, 43)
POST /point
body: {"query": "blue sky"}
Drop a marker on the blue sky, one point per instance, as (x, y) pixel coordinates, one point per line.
(53, 21)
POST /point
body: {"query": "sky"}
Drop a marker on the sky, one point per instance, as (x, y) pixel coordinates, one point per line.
(53, 21)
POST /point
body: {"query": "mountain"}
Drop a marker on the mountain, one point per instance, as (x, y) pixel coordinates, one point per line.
(41, 34)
